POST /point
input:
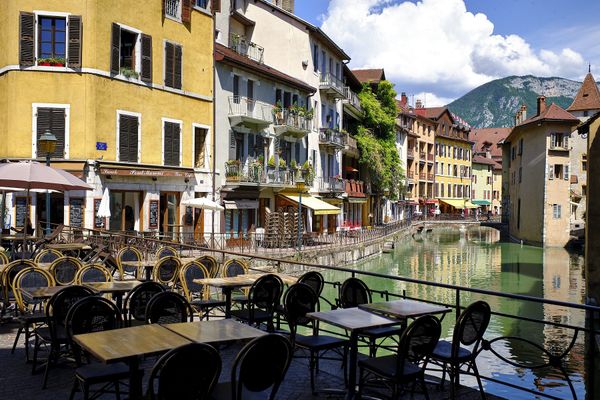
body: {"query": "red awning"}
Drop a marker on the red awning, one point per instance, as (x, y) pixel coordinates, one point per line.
(431, 201)
(349, 168)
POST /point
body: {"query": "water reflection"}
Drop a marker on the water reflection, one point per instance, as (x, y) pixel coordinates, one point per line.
(475, 257)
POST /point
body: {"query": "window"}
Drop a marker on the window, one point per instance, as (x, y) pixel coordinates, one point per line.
(519, 214)
(173, 65)
(202, 4)
(559, 141)
(586, 113)
(513, 151)
(201, 147)
(55, 118)
(455, 170)
(489, 180)
(171, 142)
(556, 211)
(58, 41)
(475, 179)
(315, 57)
(442, 190)
(131, 53)
(584, 162)
(473, 193)
(521, 146)
(129, 136)
(172, 8)
(449, 190)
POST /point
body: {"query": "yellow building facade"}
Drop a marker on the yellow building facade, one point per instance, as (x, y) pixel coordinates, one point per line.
(127, 91)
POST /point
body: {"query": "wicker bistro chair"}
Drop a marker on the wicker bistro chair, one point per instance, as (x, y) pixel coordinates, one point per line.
(166, 251)
(129, 260)
(197, 294)
(168, 308)
(260, 365)
(180, 375)
(8, 276)
(235, 267)
(30, 311)
(65, 269)
(166, 270)
(316, 282)
(414, 349)
(94, 314)
(55, 334)
(468, 331)
(264, 296)
(354, 292)
(137, 300)
(299, 300)
(47, 256)
(4, 260)
(211, 264)
(93, 273)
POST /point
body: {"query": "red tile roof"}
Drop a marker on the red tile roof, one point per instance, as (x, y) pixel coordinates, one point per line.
(374, 75)
(552, 113)
(588, 97)
(227, 55)
(483, 160)
(431, 112)
(493, 136)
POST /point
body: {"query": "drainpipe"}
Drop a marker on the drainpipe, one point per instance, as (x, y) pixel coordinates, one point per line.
(214, 134)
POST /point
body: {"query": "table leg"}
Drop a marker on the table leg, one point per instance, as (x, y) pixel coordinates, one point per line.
(135, 379)
(148, 273)
(352, 365)
(118, 298)
(227, 293)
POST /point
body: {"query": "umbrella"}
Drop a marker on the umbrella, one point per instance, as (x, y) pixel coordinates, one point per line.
(204, 203)
(104, 209)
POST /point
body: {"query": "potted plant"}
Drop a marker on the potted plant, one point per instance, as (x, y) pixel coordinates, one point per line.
(44, 62)
(309, 114)
(261, 160)
(308, 173)
(57, 62)
(129, 73)
(293, 165)
(278, 112)
(282, 164)
(232, 170)
(271, 162)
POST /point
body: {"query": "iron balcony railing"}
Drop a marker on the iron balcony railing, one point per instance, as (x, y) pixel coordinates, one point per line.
(241, 45)
(410, 153)
(328, 80)
(278, 177)
(331, 137)
(238, 171)
(245, 107)
(172, 8)
(352, 98)
(351, 142)
(331, 184)
(290, 118)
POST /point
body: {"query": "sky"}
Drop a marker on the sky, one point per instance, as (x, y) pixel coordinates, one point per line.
(438, 50)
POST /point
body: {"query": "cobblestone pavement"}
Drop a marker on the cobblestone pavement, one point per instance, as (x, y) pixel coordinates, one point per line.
(17, 382)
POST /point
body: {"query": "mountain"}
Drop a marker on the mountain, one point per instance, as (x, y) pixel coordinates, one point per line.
(495, 103)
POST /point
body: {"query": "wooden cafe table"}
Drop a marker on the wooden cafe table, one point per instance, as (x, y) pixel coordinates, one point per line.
(403, 309)
(353, 320)
(216, 331)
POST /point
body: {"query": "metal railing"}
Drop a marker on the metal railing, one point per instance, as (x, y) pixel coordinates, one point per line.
(243, 106)
(241, 45)
(172, 8)
(278, 177)
(331, 184)
(327, 80)
(350, 142)
(330, 136)
(352, 98)
(290, 118)
(237, 171)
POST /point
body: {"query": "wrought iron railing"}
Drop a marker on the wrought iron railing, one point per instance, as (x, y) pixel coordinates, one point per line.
(328, 80)
(241, 45)
(331, 184)
(243, 106)
(352, 98)
(331, 136)
(238, 171)
(291, 118)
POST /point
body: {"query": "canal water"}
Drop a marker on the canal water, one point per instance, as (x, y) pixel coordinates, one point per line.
(475, 257)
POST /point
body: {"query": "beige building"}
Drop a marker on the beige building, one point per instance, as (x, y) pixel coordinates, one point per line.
(538, 173)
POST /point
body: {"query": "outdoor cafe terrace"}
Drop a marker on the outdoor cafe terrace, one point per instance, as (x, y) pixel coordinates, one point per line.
(236, 302)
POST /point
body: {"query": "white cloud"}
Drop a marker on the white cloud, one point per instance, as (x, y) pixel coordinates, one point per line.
(430, 99)
(437, 44)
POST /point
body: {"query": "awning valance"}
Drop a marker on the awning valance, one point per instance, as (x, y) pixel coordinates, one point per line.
(357, 200)
(459, 204)
(482, 202)
(318, 206)
(240, 204)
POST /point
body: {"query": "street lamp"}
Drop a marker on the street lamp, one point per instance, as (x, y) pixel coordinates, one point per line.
(46, 143)
(300, 184)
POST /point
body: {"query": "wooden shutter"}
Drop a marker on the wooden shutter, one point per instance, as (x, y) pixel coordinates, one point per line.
(146, 74)
(128, 138)
(566, 172)
(566, 141)
(177, 68)
(216, 6)
(199, 147)
(550, 171)
(115, 49)
(176, 141)
(53, 119)
(26, 39)
(171, 143)
(75, 33)
(169, 58)
(167, 153)
(186, 10)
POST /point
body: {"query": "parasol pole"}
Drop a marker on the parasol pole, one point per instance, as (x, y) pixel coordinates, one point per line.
(25, 223)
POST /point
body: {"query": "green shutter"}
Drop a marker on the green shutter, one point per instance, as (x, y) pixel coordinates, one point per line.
(146, 73)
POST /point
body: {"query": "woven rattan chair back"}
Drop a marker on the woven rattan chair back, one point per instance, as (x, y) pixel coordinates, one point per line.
(472, 324)
(8, 276)
(47, 256)
(313, 279)
(31, 277)
(190, 271)
(234, 267)
(137, 299)
(64, 270)
(129, 260)
(299, 300)
(166, 251)
(353, 292)
(260, 365)
(418, 341)
(168, 308)
(166, 270)
(4, 260)
(58, 306)
(180, 374)
(265, 292)
(92, 314)
(211, 264)
(93, 273)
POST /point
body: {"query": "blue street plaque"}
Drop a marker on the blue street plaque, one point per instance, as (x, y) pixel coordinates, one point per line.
(101, 146)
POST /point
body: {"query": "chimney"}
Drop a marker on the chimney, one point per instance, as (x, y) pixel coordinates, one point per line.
(518, 118)
(419, 104)
(287, 5)
(523, 112)
(403, 99)
(541, 105)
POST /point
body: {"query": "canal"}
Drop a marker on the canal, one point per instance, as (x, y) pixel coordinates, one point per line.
(475, 257)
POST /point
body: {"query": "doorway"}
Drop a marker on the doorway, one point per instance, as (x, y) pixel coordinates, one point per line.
(169, 214)
(125, 210)
(57, 209)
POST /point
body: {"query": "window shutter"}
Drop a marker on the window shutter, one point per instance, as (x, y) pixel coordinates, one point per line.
(186, 10)
(146, 73)
(566, 174)
(177, 68)
(231, 139)
(169, 56)
(176, 142)
(53, 119)
(171, 143)
(75, 33)
(115, 50)
(566, 141)
(26, 39)
(167, 145)
(550, 171)
(128, 138)
(164, 8)
(216, 6)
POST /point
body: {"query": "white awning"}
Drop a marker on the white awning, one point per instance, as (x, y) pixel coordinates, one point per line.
(240, 204)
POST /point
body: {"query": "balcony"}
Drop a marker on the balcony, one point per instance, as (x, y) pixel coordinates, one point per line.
(410, 176)
(250, 113)
(430, 177)
(241, 173)
(274, 177)
(354, 188)
(329, 137)
(292, 123)
(351, 101)
(351, 146)
(422, 176)
(246, 48)
(410, 153)
(331, 85)
(558, 147)
(331, 184)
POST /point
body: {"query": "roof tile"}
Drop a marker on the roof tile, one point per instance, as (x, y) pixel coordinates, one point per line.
(588, 97)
